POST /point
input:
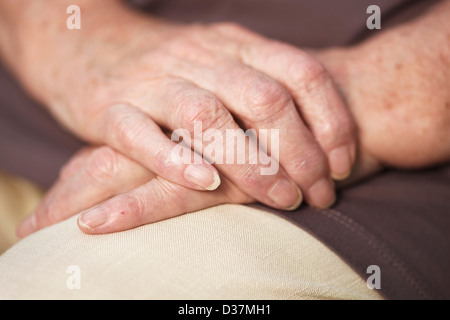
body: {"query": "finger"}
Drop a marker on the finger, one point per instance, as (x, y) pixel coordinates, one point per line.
(101, 174)
(134, 134)
(30, 225)
(314, 92)
(214, 133)
(75, 163)
(261, 102)
(157, 200)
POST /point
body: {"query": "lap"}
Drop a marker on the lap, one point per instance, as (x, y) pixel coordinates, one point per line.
(224, 252)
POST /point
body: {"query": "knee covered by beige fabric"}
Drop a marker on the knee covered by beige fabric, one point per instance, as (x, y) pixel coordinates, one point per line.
(18, 198)
(224, 252)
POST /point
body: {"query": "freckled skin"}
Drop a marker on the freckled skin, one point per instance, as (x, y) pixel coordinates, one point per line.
(397, 86)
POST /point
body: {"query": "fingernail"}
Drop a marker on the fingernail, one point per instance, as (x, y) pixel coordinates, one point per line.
(340, 162)
(27, 226)
(202, 176)
(286, 195)
(322, 194)
(93, 218)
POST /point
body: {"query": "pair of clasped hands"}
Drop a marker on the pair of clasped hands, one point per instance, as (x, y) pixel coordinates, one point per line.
(122, 87)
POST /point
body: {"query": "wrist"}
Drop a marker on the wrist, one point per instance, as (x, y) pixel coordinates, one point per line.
(395, 86)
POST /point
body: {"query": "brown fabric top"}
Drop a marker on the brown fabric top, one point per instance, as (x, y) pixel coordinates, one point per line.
(399, 221)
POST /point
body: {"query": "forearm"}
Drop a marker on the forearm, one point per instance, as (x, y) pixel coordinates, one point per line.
(42, 52)
(29, 29)
(426, 37)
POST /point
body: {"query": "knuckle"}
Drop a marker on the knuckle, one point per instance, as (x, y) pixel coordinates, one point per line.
(125, 129)
(102, 166)
(249, 175)
(162, 160)
(170, 193)
(335, 132)
(54, 213)
(309, 73)
(268, 98)
(203, 109)
(75, 164)
(310, 165)
(187, 45)
(134, 204)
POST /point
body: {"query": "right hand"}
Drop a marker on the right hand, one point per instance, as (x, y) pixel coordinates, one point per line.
(119, 84)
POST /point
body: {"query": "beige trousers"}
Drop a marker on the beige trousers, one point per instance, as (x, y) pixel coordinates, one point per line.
(225, 252)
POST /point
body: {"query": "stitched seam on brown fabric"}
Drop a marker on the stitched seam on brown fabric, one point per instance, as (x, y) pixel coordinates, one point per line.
(380, 247)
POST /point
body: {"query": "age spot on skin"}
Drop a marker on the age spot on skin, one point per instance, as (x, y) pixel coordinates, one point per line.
(387, 105)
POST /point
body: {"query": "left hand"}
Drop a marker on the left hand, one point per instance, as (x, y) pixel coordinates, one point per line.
(131, 195)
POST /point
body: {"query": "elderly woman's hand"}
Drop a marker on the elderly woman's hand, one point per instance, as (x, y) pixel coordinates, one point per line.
(395, 86)
(124, 78)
